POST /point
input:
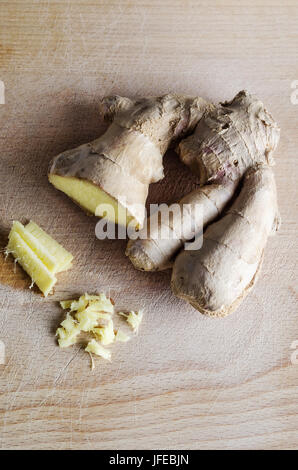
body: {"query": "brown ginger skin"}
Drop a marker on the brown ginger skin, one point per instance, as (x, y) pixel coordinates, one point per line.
(229, 139)
(156, 250)
(217, 277)
(236, 137)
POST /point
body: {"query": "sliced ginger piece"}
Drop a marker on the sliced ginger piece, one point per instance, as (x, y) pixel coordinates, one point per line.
(41, 252)
(38, 254)
(29, 261)
(63, 257)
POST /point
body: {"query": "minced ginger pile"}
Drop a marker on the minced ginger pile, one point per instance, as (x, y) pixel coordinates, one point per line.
(93, 314)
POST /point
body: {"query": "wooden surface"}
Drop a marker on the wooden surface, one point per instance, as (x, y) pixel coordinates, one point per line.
(186, 381)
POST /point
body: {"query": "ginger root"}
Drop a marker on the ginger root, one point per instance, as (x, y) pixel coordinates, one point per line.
(231, 140)
(117, 168)
(193, 212)
(217, 277)
(230, 150)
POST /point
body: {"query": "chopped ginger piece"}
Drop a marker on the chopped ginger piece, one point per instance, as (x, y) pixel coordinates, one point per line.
(65, 304)
(133, 319)
(99, 297)
(67, 335)
(105, 333)
(37, 256)
(87, 320)
(122, 337)
(85, 315)
(69, 323)
(94, 347)
(104, 316)
(89, 310)
(103, 305)
(79, 305)
(67, 339)
(98, 303)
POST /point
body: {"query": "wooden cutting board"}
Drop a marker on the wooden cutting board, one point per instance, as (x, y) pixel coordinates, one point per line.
(185, 381)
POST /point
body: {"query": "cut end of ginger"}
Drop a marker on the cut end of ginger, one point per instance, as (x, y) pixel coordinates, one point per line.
(38, 254)
(92, 314)
(91, 198)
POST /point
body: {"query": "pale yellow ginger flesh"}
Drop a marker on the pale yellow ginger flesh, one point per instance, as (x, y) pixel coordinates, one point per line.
(34, 244)
(65, 304)
(91, 197)
(121, 337)
(40, 275)
(61, 255)
(87, 320)
(89, 310)
(67, 334)
(38, 254)
(134, 319)
(106, 333)
(94, 347)
(93, 314)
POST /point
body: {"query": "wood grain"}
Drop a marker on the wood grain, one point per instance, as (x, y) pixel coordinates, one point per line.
(186, 381)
